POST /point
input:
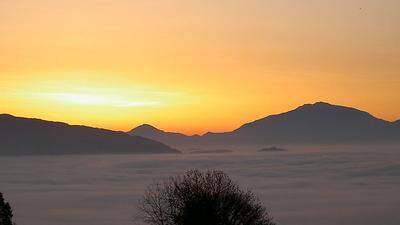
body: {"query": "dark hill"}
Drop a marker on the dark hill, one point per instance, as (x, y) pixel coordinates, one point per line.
(21, 136)
(173, 138)
(318, 123)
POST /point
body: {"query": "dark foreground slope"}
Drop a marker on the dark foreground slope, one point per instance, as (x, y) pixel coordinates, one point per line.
(21, 136)
(318, 123)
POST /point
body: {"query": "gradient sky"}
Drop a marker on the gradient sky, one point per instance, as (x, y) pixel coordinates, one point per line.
(195, 65)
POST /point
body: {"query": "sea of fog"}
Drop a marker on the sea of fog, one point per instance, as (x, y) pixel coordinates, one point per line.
(346, 187)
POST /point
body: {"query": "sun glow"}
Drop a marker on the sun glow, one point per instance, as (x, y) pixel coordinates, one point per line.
(195, 66)
(91, 99)
(94, 92)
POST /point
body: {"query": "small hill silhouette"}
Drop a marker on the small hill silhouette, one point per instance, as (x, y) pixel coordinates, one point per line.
(20, 136)
(272, 149)
(151, 132)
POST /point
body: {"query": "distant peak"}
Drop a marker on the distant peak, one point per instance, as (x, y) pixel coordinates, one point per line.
(5, 115)
(322, 104)
(146, 128)
(315, 105)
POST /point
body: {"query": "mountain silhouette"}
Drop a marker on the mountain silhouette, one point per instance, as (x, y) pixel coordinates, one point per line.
(154, 133)
(22, 136)
(318, 123)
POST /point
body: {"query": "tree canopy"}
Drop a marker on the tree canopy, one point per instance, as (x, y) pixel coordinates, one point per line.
(197, 198)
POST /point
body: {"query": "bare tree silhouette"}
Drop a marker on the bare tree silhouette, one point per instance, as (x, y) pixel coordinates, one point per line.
(197, 198)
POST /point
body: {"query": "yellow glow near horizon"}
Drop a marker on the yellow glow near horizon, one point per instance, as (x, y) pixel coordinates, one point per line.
(90, 99)
(195, 66)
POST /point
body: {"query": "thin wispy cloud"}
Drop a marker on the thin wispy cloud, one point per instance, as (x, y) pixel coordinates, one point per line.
(95, 99)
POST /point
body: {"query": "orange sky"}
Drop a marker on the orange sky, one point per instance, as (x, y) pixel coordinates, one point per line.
(195, 65)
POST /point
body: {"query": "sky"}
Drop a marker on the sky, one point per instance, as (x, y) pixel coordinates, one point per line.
(195, 65)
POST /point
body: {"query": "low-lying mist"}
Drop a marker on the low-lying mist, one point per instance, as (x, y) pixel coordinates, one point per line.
(347, 187)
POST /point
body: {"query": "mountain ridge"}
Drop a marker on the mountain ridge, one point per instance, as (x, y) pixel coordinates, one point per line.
(319, 122)
(31, 136)
(313, 106)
